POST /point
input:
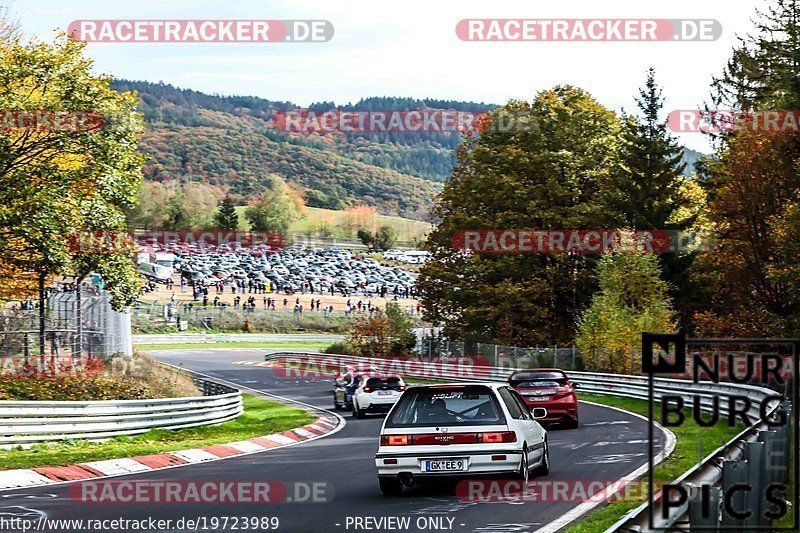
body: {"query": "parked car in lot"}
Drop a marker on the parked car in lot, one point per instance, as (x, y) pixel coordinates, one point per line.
(449, 431)
(365, 394)
(550, 389)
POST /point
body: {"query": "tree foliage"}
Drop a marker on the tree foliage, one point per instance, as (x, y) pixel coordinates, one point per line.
(226, 217)
(632, 299)
(276, 209)
(546, 175)
(753, 187)
(59, 182)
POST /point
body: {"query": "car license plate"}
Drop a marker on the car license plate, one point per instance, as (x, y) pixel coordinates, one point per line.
(384, 393)
(539, 398)
(445, 465)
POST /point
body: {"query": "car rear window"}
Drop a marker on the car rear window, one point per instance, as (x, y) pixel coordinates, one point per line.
(469, 405)
(384, 383)
(539, 379)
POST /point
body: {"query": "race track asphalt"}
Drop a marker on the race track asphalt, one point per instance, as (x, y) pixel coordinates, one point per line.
(608, 445)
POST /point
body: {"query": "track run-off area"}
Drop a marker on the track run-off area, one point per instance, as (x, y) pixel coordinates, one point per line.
(608, 445)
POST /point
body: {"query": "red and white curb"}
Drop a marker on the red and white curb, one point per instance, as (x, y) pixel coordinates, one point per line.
(31, 477)
(254, 363)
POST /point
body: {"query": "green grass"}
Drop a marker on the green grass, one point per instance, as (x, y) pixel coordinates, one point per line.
(289, 345)
(693, 444)
(261, 417)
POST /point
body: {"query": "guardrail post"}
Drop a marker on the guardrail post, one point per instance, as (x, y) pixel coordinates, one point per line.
(756, 502)
(734, 473)
(704, 515)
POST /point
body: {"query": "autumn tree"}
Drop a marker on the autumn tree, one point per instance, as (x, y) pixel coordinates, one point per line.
(547, 173)
(57, 182)
(276, 209)
(753, 186)
(632, 298)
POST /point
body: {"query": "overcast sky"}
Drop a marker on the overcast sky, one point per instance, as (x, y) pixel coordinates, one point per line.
(409, 48)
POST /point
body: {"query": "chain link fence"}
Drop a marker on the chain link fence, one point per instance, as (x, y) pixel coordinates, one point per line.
(75, 325)
(564, 357)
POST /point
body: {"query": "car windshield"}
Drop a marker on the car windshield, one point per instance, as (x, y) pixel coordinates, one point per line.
(390, 383)
(539, 379)
(447, 406)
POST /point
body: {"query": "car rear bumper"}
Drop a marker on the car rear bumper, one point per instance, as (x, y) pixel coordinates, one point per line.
(559, 412)
(486, 462)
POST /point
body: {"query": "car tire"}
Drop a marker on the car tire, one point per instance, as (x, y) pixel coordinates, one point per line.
(544, 468)
(356, 411)
(336, 406)
(572, 424)
(390, 486)
(524, 467)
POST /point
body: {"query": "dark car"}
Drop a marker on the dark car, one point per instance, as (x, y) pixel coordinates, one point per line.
(548, 388)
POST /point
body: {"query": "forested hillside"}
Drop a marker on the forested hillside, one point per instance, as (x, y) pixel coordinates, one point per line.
(229, 142)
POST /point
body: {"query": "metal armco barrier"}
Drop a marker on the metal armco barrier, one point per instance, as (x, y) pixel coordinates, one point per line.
(743, 456)
(28, 422)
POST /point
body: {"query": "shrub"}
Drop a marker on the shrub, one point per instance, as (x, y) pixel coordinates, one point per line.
(341, 348)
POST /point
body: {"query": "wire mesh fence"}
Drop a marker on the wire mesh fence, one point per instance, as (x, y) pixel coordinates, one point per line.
(169, 316)
(564, 357)
(74, 325)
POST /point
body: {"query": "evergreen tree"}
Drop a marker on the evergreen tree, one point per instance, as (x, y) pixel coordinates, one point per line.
(226, 217)
(647, 186)
(764, 70)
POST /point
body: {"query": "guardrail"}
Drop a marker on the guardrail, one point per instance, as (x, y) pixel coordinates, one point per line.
(211, 338)
(29, 422)
(728, 458)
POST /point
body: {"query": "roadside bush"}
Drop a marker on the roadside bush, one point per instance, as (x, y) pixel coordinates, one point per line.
(119, 378)
(145, 372)
(341, 348)
(68, 388)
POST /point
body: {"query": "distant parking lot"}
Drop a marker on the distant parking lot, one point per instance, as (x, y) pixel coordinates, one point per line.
(328, 271)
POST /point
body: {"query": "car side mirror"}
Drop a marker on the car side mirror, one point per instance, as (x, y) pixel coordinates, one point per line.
(539, 412)
(576, 385)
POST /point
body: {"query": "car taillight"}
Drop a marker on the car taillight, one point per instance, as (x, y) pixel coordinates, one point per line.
(403, 387)
(394, 440)
(561, 391)
(505, 436)
(367, 389)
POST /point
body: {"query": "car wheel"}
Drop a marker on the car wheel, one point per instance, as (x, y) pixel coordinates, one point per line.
(544, 468)
(524, 467)
(572, 424)
(391, 486)
(356, 410)
(336, 406)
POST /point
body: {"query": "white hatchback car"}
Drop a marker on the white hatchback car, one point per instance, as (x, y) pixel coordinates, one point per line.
(365, 394)
(460, 430)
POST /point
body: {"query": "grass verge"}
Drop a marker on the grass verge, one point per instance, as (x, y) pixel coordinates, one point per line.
(297, 345)
(693, 444)
(261, 417)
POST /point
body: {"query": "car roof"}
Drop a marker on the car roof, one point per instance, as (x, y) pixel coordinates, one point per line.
(490, 384)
